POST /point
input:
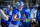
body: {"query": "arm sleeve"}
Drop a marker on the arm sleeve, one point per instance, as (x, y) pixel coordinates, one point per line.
(4, 16)
(14, 12)
(31, 14)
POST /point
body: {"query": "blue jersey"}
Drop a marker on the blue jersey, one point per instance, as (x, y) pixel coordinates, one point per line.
(27, 13)
(10, 16)
(15, 11)
(38, 16)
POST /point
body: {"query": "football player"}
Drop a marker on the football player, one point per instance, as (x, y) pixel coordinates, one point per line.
(16, 15)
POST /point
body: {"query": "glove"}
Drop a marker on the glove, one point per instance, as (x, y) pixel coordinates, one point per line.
(22, 18)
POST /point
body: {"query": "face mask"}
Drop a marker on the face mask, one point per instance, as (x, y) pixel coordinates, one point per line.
(19, 9)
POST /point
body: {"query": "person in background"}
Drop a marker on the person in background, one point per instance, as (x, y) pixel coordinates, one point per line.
(38, 16)
(33, 16)
(26, 13)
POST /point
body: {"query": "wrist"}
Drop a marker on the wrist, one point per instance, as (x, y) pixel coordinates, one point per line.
(19, 19)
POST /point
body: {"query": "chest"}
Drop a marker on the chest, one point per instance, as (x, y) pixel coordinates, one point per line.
(18, 15)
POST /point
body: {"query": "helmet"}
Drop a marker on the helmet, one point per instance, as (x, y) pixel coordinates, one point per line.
(19, 3)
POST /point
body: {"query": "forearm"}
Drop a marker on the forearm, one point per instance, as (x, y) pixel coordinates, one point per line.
(16, 19)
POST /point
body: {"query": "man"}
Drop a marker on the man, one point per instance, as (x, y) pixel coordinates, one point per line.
(26, 13)
(33, 16)
(38, 16)
(16, 15)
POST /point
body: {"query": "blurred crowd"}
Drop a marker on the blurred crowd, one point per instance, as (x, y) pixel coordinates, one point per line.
(33, 19)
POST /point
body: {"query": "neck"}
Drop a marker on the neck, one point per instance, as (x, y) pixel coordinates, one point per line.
(17, 9)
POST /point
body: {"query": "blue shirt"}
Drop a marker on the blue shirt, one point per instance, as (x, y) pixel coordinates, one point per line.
(15, 11)
(38, 16)
(27, 13)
